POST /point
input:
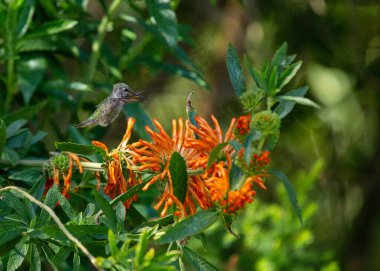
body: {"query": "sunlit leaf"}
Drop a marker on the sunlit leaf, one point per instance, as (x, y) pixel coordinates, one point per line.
(76, 262)
(290, 191)
(178, 173)
(190, 226)
(25, 18)
(234, 70)
(199, 263)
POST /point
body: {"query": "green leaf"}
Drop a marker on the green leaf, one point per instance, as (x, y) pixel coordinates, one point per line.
(199, 263)
(285, 107)
(14, 128)
(62, 255)
(290, 191)
(3, 135)
(30, 74)
(178, 173)
(134, 217)
(26, 112)
(28, 176)
(51, 200)
(130, 192)
(49, 255)
(79, 148)
(273, 78)
(76, 262)
(9, 230)
(107, 210)
(164, 18)
(214, 154)
(190, 226)
(66, 207)
(136, 111)
(17, 255)
(252, 136)
(140, 250)
(289, 73)
(10, 155)
(51, 28)
(227, 221)
(35, 261)
(112, 243)
(120, 215)
(279, 56)
(235, 144)
(298, 100)
(234, 70)
(256, 76)
(161, 222)
(25, 18)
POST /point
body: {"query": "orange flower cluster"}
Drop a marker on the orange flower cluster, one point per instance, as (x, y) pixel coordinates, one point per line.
(243, 123)
(62, 165)
(206, 186)
(122, 155)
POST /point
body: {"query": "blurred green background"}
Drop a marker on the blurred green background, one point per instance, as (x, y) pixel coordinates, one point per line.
(331, 155)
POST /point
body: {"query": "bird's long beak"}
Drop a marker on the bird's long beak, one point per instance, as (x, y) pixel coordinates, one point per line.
(134, 97)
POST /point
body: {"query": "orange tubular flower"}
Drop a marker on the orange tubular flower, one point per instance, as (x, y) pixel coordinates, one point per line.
(156, 156)
(243, 123)
(59, 167)
(116, 182)
(209, 138)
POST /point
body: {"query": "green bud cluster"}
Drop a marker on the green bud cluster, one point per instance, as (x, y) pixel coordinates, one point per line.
(251, 99)
(267, 122)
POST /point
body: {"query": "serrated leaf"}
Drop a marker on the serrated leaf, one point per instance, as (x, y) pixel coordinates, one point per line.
(17, 255)
(190, 226)
(285, 107)
(51, 28)
(35, 260)
(30, 73)
(28, 176)
(136, 111)
(199, 263)
(3, 135)
(289, 73)
(298, 100)
(234, 71)
(290, 191)
(79, 148)
(164, 18)
(256, 76)
(107, 210)
(214, 154)
(26, 112)
(252, 136)
(177, 168)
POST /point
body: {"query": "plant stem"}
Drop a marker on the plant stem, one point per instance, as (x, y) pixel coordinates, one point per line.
(90, 166)
(102, 29)
(56, 219)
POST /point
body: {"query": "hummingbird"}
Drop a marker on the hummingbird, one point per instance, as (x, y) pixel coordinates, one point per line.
(111, 106)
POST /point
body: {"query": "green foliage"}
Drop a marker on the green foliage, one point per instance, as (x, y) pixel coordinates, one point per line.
(178, 173)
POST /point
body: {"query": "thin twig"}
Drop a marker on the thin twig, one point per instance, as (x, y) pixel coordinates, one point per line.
(57, 221)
